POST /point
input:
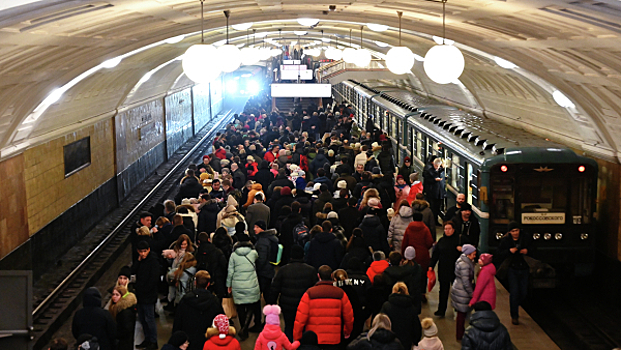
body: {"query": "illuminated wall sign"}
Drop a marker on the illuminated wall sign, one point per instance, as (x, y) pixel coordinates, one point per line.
(543, 218)
(293, 67)
(306, 74)
(301, 90)
(291, 62)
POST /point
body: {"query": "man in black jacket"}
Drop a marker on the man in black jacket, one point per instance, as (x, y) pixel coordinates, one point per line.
(286, 233)
(212, 260)
(239, 177)
(291, 282)
(190, 188)
(266, 243)
(468, 228)
(147, 271)
(208, 214)
(94, 320)
(196, 311)
(352, 214)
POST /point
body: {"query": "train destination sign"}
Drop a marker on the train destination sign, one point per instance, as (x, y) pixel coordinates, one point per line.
(543, 218)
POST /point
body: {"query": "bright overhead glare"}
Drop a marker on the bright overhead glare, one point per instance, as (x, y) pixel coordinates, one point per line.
(381, 44)
(240, 45)
(562, 100)
(264, 53)
(439, 41)
(400, 60)
(377, 27)
(111, 63)
(308, 22)
(201, 63)
(349, 55)
(299, 32)
(313, 52)
(249, 55)
(334, 54)
(242, 26)
(231, 86)
(252, 87)
(325, 40)
(174, 39)
(444, 64)
(54, 96)
(418, 58)
(504, 63)
(260, 34)
(230, 58)
(363, 57)
(276, 52)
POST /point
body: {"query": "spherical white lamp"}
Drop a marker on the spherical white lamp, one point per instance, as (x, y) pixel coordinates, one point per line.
(275, 52)
(349, 55)
(200, 63)
(249, 56)
(242, 26)
(400, 60)
(308, 22)
(363, 57)
(264, 54)
(444, 64)
(230, 57)
(334, 54)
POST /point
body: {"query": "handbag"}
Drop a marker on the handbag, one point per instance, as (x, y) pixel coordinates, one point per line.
(229, 307)
(431, 276)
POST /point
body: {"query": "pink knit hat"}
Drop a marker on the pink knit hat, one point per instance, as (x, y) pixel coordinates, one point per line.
(221, 322)
(272, 314)
(486, 258)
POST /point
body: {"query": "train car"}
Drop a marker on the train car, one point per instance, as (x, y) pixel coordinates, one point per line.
(506, 173)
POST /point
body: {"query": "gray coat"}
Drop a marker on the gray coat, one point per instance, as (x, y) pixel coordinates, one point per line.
(256, 212)
(462, 290)
(242, 274)
(397, 227)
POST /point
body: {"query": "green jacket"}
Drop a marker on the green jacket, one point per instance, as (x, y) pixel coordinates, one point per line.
(242, 274)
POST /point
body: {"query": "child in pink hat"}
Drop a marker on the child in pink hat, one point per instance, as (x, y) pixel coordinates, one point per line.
(221, 336)
(272, 337)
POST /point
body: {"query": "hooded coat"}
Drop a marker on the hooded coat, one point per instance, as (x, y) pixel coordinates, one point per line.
(485, 289)
(422, 206)
(264, 176)
(208, 216)
(94, 320)
(325, 249)
(318, 163)
(242, 275)
(403, 316)
(265, 241)
(411, 276)
(214, 342)
(190, 188)
(273, 338)
(376, 268)
(125, 321)
(256, 188)
(382, 339)
(194, 314)
(486, 333)
(374, 233)
(462, 289)
(291, 282)
(397, 227)
(418, 236)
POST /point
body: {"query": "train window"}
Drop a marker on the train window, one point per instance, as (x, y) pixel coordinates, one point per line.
(455, 171)
(468, 183)
(419, 146)
(541, 193)
(581, 201)
(502, 206)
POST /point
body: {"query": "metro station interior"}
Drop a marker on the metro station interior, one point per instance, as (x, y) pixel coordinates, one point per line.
(111, 70)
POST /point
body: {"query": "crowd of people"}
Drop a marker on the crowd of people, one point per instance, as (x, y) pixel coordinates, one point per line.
(309, 213)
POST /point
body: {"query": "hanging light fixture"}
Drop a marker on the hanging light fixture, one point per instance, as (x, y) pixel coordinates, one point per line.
(349, 54)
(377, 27)
(400, 59)
(363, 56)
(308, 22)
(444, 63)
(249, 54)
(229, 55)
(242, 26)
(334, 53)
(200, 61)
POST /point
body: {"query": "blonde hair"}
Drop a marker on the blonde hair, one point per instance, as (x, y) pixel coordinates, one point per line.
(400, 288)
(381, 321)
(144, 231)
(437, 161)
(127, 300)
(339, 275)
(368, 194)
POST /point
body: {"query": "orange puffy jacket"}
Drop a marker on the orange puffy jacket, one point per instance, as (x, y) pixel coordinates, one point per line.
(325, 310)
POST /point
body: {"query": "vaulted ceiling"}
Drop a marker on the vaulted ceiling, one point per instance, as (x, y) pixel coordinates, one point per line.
(572, 46)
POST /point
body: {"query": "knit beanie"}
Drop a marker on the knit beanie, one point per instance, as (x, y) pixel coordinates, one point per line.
(409, 253)
(272, 314)
(221, 322)
(285, 191)
(373, 202)
(513, 225)
(486, 258)
(125, 271)
(468, 249)
(429, 327)
(178, 338)
(341, 185)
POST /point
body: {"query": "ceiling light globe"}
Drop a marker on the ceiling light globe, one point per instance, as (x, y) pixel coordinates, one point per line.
(200, 63)
(249, 56)
(400, 60)
(242, 26)
(363, 57)
(377, 27)
(264, 54)
(230, 57)
(308, 22)
(444, 64)
(349, 55)
(299, 32)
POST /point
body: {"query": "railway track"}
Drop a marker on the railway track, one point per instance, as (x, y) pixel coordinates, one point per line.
(54, 306)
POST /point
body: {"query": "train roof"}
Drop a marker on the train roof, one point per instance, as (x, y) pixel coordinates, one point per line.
(465, 132)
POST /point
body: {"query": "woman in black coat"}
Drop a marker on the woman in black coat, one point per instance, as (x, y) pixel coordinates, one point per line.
(433, 182)
(403, 315)
(445, 254)
(123, 311)
(379, 337)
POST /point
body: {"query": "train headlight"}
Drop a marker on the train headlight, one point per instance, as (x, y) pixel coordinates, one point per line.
(499, 235)
(536, 236)
(547, 236)
(584, 236)
(558, 236)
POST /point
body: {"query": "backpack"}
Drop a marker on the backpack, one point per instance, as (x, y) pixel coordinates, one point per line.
(190, 284)
(300, 234)
(202, 261)
(275, 252)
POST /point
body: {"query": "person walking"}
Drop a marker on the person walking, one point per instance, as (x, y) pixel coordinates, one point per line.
(430, 340)
(462, 290)
(485, 330)
(221, 336)
(403, 315)
(485, 289)
(94, 320)
(147, 271)
(445, 253)
(272, 337)
(379, 337)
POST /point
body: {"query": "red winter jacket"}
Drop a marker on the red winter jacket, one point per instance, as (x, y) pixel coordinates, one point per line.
(273, 338)
(418, 236)
(228, 343)
(325, 310)
(269, 156)
(376, 268)
(221, 153)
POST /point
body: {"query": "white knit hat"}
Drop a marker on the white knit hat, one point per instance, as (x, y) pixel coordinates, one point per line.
(341, 185)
